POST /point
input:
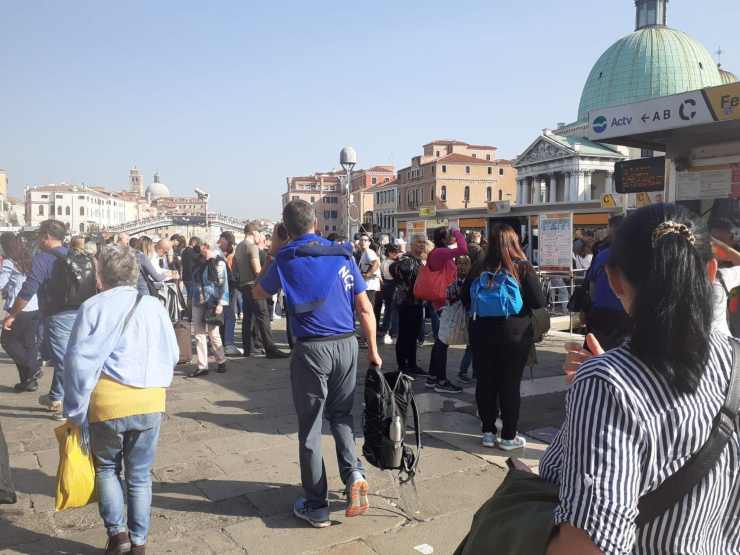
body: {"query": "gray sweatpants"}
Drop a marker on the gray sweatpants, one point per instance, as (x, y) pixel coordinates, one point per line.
(323, 376)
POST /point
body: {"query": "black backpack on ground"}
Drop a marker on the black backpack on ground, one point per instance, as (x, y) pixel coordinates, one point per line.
(73, 281)
(389, 402)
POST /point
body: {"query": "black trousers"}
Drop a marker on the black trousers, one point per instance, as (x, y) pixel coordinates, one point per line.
(21, 344)
(438, 361)
(255, 314)
(500, 367)
(409, 321)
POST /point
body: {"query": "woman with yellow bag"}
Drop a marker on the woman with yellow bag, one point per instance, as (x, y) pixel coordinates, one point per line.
(120, 359)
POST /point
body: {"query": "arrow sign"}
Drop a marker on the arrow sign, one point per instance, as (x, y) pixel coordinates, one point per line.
(645, 118)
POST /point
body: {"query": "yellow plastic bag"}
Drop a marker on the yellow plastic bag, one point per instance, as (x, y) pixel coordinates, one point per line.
(76, 473)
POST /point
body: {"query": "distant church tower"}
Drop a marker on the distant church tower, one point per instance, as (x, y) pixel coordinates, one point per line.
(136, 182)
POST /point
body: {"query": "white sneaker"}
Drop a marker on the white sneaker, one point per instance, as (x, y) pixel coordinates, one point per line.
(512, 444)
(232, 350)
(489, 440)
(388, 340)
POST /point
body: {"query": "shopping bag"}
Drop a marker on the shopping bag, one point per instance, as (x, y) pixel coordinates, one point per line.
(76, 473)
(453, 325)
(432, 286)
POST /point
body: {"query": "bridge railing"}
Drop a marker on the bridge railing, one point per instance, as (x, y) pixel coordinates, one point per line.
(163, 221)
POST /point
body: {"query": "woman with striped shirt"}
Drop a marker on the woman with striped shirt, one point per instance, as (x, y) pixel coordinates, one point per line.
(637, 414)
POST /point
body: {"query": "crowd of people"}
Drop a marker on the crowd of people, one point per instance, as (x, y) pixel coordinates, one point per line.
(662, 304)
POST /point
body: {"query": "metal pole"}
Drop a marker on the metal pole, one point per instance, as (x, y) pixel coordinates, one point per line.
(349, 203)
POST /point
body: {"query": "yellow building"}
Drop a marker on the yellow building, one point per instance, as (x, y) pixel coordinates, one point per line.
(449, 179)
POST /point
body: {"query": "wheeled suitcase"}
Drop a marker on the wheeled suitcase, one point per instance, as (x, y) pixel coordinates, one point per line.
(184, 341)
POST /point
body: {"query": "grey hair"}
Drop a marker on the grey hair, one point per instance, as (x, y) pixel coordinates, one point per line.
(117, 266)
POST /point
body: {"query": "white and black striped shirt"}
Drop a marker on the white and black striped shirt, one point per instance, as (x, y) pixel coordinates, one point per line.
(626, 430)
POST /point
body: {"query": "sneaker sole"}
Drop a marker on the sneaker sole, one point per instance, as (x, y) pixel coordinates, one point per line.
(511, 448)
(358, 503)
(448, 391)
(314, 523)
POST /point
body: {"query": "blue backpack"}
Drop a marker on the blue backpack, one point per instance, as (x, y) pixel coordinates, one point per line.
(495, 295)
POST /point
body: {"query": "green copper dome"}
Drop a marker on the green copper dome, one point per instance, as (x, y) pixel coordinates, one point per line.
(651, 62)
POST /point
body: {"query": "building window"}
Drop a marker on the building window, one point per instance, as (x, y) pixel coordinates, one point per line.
(444, 193)
(501, 171)
(334, 214)
(500, 194)
(444, 168)
(41, 209)
(646, 153)
(489, 194)
(313, 199)
(488, 157)
(434, 170)
(438, 154)
(374, 180)
(475, 155)
(326, 228)
(295, 197)
(333, 228)
(82, 228)
(490, 170)
(467, 193)
(467, 169)
(59, 210)
(68, 211)
(386, 179)
(44, 196)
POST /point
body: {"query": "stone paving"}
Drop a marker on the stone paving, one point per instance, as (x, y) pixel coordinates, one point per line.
(227, 468)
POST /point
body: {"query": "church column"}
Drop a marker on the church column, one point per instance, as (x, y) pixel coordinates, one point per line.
(587, 185)
(609, 184)
(577, 188)
(553, 187)
(520, 191)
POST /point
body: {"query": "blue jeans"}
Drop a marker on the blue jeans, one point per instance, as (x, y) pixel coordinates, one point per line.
(466, 360)
(58, 329)
(229, 324)
(129, 443)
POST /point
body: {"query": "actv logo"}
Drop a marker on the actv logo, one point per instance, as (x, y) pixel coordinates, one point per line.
(600, 124)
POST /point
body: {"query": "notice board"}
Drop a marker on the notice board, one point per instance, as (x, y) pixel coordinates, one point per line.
(555, 232)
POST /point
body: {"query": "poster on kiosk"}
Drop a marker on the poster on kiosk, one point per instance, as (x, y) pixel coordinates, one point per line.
(556, 242)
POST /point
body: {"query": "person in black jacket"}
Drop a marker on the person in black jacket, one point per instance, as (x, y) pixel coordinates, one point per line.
(501, 345)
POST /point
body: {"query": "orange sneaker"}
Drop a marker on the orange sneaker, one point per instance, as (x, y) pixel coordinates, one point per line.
(357, 501)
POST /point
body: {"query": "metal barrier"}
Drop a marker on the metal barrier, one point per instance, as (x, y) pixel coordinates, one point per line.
(558, 288)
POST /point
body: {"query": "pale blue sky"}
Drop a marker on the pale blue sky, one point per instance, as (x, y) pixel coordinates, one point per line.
(233, 96)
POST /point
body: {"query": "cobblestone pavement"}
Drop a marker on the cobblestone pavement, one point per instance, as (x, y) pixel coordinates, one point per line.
(227, 468)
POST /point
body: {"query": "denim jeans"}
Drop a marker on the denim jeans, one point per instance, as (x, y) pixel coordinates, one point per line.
(229, 324)
(128, 443)
(390, 315)
(58, 329)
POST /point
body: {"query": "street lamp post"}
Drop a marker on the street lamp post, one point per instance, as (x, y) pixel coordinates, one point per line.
(348, 159)
(202, 195)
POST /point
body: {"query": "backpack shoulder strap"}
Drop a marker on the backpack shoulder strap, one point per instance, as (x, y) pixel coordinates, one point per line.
(410, 469)
(701, 463)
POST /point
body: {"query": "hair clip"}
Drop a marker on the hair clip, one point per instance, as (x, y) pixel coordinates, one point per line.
(670, 228)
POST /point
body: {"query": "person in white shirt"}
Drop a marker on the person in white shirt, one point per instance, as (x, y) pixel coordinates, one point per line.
(370, 267)
(728, 278)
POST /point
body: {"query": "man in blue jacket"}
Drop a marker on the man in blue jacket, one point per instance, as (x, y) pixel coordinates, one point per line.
(324, 288)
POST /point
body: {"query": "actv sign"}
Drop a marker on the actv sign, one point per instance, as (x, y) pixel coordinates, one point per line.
(667, 112)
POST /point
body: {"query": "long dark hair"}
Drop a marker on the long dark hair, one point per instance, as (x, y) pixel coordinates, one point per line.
(662, 251)
(15, 249)
(441, 237)
(502, 252)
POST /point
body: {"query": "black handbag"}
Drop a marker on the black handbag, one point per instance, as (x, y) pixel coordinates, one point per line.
(517, 520)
